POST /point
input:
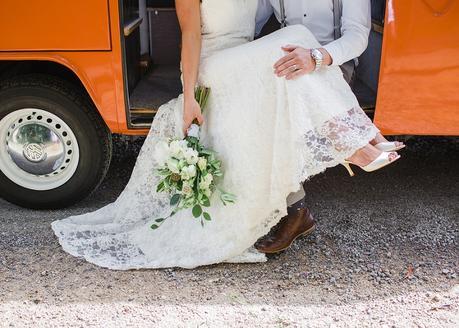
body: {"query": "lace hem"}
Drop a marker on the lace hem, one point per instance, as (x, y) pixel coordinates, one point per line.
(324, 147)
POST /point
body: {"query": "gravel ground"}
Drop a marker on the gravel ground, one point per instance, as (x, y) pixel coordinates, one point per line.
(385, 254)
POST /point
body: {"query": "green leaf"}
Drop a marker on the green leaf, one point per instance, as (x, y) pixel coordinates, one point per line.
(206, 152)
(160, 187)
(154, 226)
(175, 199)
(192, 141)
(227, 198)
(218, 173)
(197, 211)
(206, 201)
(159, 220)
(207, 216)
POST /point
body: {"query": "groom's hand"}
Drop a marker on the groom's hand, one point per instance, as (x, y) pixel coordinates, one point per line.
(297, 62)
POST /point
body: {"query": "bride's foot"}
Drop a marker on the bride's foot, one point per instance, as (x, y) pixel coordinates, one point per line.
(370, 159)
(364, 156)
(381, 143)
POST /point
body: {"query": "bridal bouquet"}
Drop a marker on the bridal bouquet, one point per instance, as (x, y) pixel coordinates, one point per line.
(189, 172)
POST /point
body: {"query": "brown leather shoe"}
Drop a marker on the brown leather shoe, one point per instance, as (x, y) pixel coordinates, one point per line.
(292, 226)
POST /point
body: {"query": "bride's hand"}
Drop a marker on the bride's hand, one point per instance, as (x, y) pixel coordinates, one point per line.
(191, 111)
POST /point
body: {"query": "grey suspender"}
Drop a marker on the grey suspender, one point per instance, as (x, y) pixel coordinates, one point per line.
(337, 14)
(348, 68)
(282, 13)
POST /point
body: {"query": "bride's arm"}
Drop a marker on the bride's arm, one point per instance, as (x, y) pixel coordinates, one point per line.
(189, 15)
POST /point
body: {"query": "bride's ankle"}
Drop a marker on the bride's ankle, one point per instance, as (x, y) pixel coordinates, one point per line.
(378, 139)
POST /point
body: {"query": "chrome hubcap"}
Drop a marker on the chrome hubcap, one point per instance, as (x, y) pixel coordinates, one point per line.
(34, 152)
(38, 150)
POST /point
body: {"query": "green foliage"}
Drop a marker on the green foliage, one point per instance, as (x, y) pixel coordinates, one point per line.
(192, 191)
(206, 216)
(197, 211)
(175, 199)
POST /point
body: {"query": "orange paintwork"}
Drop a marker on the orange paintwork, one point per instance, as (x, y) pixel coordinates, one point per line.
(54, 25)
(419, 80)
(74, 36)
(418, 90)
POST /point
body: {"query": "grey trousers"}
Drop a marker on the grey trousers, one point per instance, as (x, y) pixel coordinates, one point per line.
(295, 197)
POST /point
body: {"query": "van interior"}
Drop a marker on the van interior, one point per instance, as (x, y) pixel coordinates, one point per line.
(151, 44)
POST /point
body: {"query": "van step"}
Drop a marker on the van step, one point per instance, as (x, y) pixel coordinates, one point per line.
(142, 117)
(156, 88)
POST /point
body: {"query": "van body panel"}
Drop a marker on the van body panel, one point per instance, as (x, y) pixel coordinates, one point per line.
(56, 25)
(101, 73)
(418, 82)
(418, 91)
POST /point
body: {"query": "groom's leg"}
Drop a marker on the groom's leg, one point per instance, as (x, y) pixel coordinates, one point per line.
(298, 222)
(296, 199)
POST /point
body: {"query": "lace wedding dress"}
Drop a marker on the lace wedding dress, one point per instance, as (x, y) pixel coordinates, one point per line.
(270, 133)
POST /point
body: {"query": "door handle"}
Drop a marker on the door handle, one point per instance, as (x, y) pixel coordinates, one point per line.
(131, 26)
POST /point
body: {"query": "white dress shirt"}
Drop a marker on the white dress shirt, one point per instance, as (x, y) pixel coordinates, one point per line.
(317, 15)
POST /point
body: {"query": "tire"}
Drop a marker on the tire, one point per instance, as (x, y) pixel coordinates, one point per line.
(55, 149)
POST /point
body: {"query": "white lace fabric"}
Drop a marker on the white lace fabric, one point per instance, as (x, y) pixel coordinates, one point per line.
(270, 133)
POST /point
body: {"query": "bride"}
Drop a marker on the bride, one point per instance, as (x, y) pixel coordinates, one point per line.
(270, 133)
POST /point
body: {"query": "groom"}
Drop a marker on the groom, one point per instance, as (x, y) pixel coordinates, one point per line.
(342, 27)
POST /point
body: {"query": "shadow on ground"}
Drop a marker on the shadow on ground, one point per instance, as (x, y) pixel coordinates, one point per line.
(380, 236)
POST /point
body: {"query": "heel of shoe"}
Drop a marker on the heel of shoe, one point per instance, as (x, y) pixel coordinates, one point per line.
(347, 165)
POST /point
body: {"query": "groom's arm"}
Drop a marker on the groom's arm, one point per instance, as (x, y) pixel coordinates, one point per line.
(264, 12)
(355, 30)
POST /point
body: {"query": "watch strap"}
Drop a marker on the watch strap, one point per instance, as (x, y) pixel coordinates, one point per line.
(317, 55)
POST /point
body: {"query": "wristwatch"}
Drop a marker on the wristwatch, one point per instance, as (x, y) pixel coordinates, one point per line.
(318, 57)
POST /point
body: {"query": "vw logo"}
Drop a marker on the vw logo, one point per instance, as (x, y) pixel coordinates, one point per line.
(34, 152)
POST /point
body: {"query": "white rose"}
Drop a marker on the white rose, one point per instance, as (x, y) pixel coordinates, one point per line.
(172, 165)
(202, 163)
(182, 163)
(183, 144)
(187, 190)
(162, 153)
(188, 172)
(205, 182)
(191, 156)
(208, 178)
(176, 149)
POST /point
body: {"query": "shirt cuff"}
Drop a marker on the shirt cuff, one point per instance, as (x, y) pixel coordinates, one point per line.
(335, 53)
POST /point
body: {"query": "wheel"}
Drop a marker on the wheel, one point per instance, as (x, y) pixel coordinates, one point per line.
(55, 149)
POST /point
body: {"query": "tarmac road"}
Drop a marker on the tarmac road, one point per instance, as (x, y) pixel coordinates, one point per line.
(385, 254)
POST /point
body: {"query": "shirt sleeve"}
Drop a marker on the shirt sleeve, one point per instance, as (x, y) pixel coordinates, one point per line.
(264, 11)
(355, 30)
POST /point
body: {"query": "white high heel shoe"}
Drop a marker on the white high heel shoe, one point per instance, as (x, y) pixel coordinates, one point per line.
(389, 146)
(381, 161)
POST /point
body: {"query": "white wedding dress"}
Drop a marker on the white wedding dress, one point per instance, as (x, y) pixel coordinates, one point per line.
(270, 133)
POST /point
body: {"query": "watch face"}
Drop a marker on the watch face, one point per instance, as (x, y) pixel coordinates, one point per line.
(317, 54)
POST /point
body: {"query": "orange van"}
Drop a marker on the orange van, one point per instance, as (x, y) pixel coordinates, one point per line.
(73, 73)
